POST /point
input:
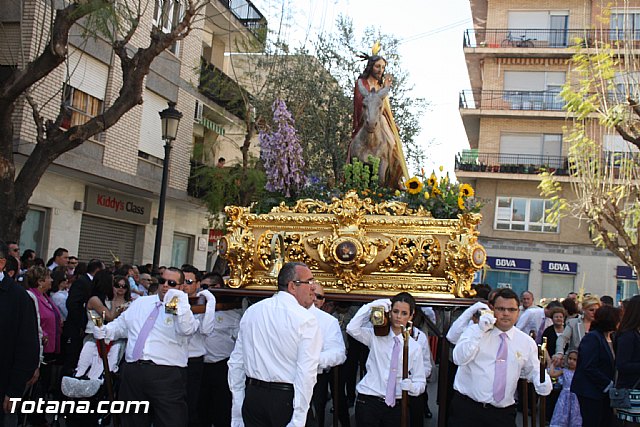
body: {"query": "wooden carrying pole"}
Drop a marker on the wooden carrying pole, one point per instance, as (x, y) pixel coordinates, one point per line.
(406, 334)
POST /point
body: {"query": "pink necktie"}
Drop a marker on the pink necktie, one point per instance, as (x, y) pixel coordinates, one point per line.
(500, 377)
(390, 397)
(541, 331)
(145, 331)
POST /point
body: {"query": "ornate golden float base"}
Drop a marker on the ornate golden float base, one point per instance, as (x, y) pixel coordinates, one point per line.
(356, 246)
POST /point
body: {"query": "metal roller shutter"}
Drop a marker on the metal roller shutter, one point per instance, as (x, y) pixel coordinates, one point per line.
(100, 238)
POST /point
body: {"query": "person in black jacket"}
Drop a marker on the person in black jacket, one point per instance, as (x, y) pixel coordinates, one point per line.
(595, 369)
(74, 326)
(20, 353)
(627, 344)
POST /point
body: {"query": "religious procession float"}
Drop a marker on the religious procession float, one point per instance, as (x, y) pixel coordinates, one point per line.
(380, 233)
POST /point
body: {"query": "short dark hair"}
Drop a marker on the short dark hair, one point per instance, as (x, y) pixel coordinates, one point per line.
(222, 159)
(216, 278)
(177, 270)
(26, 255)
(505, 293)
(188, 268)
(555, 304)
(12, 265)
(405, 297)
(606, 319)
(606, 300)
(288, 274)
(570, 305)
(58, 252)
(94, 266)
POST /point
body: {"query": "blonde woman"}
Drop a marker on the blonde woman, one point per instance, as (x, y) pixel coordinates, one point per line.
(576, 329)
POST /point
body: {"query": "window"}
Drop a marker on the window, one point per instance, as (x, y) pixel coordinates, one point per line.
(516, 281)
(166, 15)
(534, 90)
(82, 105)
(520, 214)
(557, 285)
(625, 26)
(531, 149)
(182, 250)
(33, 234)
(626, 289)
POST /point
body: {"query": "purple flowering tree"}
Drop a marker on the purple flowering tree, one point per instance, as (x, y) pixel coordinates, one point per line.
(281, 153)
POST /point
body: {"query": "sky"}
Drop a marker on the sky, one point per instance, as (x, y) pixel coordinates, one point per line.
(431, 51)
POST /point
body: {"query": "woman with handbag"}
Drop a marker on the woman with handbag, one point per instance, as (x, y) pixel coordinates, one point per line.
(627, 345)
(594, 373)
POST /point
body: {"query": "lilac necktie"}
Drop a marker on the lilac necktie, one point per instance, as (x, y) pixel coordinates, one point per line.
(541, 331)
(500, 377)
(390, 397)
(145, 331)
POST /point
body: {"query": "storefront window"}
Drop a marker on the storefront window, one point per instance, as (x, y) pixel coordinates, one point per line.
(517, 281)
(556, 285)
(182, 251)
(33, 234)
(626, 289)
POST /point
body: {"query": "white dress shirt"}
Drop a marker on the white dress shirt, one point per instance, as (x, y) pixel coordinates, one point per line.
(374, 382)
(475, 354)
(278, 341)
(221, 342)
(333, 351)
(531, 320)
(168, 341)
(464, 321)
(206, 323)
(421, 338)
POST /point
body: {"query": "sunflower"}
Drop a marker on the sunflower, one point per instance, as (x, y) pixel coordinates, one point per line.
(461, 204)
(466, 190)
(436, 191)
(433, 180)
(414, 185)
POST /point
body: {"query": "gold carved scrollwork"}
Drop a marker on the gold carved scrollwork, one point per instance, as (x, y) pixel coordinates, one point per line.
(356, 245)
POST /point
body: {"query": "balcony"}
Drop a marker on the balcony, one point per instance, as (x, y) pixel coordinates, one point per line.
(472, 161)
(248, 15)
(511, 100)
(222, 89)
(545, 38)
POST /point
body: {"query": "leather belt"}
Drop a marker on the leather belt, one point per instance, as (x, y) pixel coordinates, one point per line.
(376, 398)
(268, 385)
(483, 405)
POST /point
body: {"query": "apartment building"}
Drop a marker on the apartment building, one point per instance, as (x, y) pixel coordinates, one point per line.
(518, 58)
(101, 199)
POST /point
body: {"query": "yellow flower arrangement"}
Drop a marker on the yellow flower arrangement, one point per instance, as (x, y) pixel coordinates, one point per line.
(466, 190)
(414, 185)
(440, 196)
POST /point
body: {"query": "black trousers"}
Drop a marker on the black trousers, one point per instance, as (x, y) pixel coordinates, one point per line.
(372, 411)
(596, 412)
(195, 368)
(165, 387)
(343, 404)
(71, 348)
(214, 406)
(319, 400)
(266, 407)
(416, 409)
(465, 412)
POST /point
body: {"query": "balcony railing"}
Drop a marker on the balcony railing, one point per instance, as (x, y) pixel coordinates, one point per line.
(222, 89)
(511, 100)
(248, 14)
(549, 38)
(471, 160)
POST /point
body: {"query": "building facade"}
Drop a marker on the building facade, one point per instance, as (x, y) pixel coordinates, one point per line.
(518, 58)
(101, 199)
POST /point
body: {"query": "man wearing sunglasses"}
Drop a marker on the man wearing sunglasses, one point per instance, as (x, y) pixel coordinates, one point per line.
(206, 320)
(492, 356)
(333, 353)
(273, 367)
(157, 352)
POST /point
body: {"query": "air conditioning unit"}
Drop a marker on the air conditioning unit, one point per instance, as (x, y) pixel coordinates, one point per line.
(198, 113)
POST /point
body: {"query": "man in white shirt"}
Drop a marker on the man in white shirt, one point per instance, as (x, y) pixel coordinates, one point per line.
(492, 356)
(195, 367)
(333, 354)
(273, 367)
(157, 353)
(60, 258)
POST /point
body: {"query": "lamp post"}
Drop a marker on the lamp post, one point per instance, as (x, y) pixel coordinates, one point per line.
(170, 118)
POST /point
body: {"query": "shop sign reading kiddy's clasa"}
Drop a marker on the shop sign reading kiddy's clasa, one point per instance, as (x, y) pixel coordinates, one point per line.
(117, 205)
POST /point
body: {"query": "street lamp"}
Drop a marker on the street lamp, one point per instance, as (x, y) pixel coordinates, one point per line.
(170, 118)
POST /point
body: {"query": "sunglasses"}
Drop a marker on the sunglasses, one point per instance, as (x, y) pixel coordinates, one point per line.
(171, 283)
(319, 296)
(120, 286)
(189, 281)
